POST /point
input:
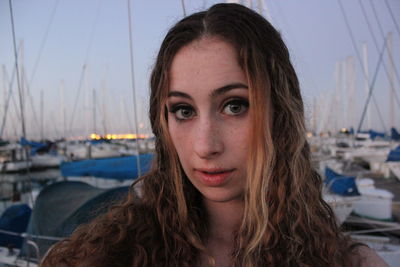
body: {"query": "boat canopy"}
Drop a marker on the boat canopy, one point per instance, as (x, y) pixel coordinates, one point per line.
(121, 168)
(14, 219)
(395, 134)
(61, 207)
(340, 184)
(394, 154)
(375, 134)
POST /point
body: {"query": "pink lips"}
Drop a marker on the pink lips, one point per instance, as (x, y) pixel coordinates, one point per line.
(213, 177)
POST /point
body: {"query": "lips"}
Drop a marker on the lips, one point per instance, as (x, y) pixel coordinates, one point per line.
(213, 177)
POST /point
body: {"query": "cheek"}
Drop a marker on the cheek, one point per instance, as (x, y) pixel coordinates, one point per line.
(180, 137)
(240, 139)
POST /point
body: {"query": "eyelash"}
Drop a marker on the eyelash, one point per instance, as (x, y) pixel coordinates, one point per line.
(232, 101)
(178, 107)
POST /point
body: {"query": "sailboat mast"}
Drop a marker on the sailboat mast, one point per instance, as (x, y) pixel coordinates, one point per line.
(366, 79)
(41, 115)
(314, 116)
(104, 107)
(86, 105)
(133, 86)
(391, 78)
(337, 96)
(62, 107)
(183, 7)
(351, 90)
(17, 71)
(94, 111)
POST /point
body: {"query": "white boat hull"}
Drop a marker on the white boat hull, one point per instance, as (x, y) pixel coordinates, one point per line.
(46, 161)
(342, 206)
(15, 166)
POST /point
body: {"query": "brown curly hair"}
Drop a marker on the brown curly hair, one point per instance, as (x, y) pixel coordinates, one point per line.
(286, 222)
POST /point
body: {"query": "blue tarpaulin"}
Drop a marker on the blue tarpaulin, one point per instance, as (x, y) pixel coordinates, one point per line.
(61, 207)
(35, 146)
(394, 155)
(340, 184)
(14, 219)
(395, 134)
(121, 168)
(374, 134)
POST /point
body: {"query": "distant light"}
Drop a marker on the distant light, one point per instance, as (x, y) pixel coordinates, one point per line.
(118, 136)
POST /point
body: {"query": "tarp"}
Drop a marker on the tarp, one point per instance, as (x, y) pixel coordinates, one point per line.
(62, 206)
(35, 146)
(340, 184)
(14, 219)
(121, 168)
(394, 155)
(395, 134)
(374, 134)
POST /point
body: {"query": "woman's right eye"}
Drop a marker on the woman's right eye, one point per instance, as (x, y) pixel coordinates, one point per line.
(183, 112)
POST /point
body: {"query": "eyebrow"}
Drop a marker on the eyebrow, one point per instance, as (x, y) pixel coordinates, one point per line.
(226, 88)
(216, 92)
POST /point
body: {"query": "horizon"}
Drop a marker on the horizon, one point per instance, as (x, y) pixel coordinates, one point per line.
(77, 55)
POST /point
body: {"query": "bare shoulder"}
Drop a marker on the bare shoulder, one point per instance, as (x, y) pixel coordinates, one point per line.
(367, 257)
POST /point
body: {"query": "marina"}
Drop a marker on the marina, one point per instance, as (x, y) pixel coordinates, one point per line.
(74, 139)
(366, 201)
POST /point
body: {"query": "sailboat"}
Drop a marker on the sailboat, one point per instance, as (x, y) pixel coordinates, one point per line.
(13, 158)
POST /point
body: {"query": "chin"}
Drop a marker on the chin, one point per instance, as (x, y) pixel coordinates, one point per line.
(222, 197)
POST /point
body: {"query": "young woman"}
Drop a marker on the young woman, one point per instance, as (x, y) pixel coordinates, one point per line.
(232, 183)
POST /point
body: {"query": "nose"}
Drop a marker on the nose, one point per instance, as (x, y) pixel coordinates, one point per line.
(208, 141)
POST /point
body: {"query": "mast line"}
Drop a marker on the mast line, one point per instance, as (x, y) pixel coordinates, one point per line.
(133, 88)
(17, 71)
(359, 60)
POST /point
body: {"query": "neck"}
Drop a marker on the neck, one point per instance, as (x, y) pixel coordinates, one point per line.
(224, 218)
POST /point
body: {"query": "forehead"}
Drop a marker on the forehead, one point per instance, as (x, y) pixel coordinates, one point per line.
(208, 62)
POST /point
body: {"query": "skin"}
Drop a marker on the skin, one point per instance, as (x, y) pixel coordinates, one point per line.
(209, 123)
(208, 120)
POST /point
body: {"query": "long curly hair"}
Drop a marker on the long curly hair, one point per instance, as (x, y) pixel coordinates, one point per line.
(286, 222)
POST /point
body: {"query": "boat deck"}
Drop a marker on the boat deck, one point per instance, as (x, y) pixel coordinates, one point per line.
(392, 185)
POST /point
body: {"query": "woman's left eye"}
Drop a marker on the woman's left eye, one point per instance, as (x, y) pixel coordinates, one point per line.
(236, 107)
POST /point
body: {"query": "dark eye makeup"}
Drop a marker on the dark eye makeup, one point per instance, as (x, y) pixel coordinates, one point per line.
(182, 111)
(234, 106)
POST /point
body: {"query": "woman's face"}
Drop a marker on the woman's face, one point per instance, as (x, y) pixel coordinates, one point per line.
(208, 118)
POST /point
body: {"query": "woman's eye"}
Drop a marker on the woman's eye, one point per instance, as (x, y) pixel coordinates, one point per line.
(236, 107)
(183, 112)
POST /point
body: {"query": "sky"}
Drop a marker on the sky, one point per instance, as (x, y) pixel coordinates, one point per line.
(74, 61)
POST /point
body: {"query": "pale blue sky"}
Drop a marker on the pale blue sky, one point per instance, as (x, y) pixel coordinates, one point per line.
(95, 32)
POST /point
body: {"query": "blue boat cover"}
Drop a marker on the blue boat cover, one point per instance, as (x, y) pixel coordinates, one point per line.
(14, 219)
(121, 168)
(61, 207)
(374, 134)
(340, 184)
(395, 134)
(394, 155)
(35, 146)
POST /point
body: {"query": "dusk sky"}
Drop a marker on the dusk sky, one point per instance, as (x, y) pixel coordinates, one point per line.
(56, 38)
